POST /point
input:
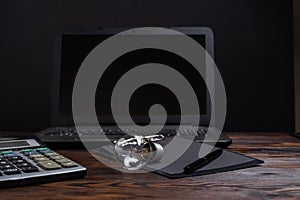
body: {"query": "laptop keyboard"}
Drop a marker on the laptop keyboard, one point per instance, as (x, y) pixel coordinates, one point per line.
(68, 137)
(71, 131)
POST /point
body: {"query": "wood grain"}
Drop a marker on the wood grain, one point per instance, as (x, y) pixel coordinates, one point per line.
(277, 178)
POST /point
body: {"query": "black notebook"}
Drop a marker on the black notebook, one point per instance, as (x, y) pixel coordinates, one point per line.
(297, 135)
(227, 161)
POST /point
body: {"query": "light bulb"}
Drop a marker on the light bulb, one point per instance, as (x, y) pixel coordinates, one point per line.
(134, 152)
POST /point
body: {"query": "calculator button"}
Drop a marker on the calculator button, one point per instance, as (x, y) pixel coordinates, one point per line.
(38, 159)
(25, 164)
(35, 156)
(46, 151)
(26, 150)
(8, 155)
(18, 161)
(48, 165)
(7, 152)
(42, 149)
(30, 153)
(29, 169)
(11, 171)
(57, 157)
(51, 154)
(69, 164)
(4, 162)
(64, 160)
(14, 158)
(3, 167)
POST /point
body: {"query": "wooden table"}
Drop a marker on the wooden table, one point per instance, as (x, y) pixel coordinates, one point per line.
(277, 178)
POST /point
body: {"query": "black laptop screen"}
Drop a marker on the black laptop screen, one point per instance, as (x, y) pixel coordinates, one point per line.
(76, 47)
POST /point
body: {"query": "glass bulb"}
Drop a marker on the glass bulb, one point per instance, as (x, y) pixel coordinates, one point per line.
(133, 152)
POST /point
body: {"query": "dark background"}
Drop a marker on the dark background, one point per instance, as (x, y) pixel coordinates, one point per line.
(253, 50)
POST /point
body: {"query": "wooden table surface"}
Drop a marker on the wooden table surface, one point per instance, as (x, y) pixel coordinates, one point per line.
(277, 178)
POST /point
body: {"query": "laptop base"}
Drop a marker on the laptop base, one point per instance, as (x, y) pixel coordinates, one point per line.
(67, 137)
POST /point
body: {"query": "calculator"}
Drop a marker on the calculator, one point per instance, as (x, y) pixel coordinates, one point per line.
(28, 161)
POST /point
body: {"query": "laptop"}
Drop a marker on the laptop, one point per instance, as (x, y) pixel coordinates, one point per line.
(73, 47)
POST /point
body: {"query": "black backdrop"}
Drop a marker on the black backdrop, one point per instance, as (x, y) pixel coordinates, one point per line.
(253, 50)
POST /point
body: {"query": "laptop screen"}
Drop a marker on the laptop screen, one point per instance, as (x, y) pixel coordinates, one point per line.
(74, 49)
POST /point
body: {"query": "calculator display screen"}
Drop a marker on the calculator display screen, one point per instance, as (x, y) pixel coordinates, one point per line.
(13, 144)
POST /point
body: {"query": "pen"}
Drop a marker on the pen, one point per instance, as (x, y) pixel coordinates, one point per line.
(190, 168)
